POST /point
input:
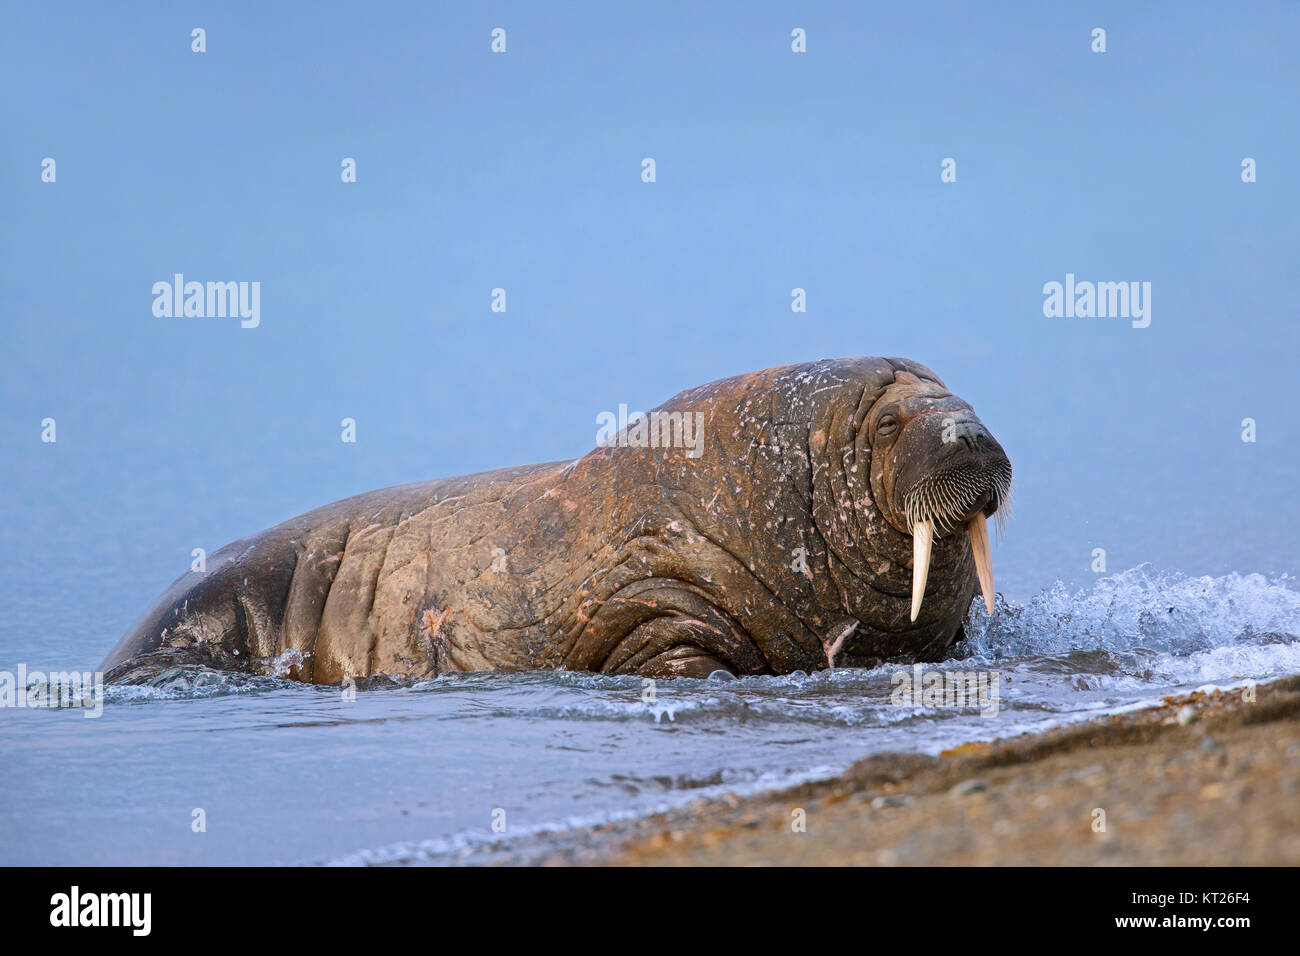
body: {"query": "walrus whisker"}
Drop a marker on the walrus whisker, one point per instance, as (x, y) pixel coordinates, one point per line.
(939, 503)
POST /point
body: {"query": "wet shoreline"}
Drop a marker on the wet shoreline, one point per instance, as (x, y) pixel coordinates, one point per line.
(1201, 779)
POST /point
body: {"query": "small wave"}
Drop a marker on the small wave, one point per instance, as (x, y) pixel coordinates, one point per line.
(1139, 608)
(194, 682)
(529, 843)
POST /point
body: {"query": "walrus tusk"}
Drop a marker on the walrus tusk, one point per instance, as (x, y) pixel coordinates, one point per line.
(979, 547)
(922, 535)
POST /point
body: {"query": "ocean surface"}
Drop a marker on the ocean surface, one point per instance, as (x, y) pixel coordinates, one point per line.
(479, 767)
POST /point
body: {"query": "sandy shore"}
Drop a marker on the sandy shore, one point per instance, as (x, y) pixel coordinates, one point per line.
(1200, 780)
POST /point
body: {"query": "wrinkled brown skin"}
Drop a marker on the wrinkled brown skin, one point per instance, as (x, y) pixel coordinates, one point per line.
(626, 561)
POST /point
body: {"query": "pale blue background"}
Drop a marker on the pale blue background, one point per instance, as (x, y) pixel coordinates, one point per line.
(775, 170)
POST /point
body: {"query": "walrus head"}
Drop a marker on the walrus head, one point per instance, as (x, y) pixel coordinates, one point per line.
(841, 503)
(935, 469)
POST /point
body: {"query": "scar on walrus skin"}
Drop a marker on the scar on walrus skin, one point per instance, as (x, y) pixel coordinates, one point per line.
(827, 514)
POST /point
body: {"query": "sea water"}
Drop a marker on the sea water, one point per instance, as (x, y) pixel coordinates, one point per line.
(208, 768)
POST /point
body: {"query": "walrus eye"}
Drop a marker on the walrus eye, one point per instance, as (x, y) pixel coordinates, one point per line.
(887, 426)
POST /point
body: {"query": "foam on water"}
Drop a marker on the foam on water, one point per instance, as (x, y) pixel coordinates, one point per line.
(1138, 608)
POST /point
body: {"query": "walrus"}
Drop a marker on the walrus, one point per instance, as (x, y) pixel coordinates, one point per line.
(789, 519)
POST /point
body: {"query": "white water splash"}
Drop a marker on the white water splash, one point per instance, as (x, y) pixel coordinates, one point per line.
(1139, 608)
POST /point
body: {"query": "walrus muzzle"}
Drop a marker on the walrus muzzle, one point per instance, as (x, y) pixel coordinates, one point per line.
(967, 488)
